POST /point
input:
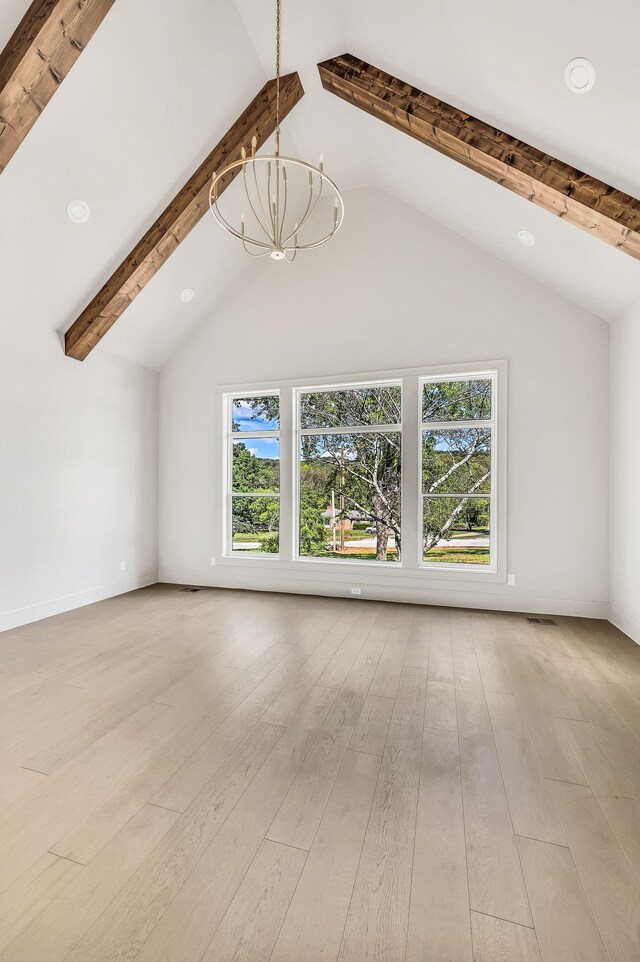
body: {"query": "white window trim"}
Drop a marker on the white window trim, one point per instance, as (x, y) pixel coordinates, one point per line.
(495, 524)
(301, 432)
(411, 571)
(229, 438)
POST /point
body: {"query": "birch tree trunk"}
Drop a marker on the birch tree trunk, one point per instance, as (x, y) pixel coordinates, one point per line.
(382, 543)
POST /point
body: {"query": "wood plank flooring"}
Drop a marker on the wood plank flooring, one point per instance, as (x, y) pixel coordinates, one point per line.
(222, 776)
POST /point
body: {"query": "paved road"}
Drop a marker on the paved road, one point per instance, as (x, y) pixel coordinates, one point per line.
(481, 541)
(478, 542)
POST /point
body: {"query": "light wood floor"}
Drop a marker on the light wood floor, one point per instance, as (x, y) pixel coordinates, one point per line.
(228, 776)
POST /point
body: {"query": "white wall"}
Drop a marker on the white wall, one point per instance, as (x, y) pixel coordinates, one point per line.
(395, 290)
(624, 567)
(78, 476)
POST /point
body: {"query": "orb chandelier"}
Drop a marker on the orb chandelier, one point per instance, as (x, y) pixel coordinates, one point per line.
(289, 202)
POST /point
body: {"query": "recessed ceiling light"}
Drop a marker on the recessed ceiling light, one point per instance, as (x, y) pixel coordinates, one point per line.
(78, 211)
(580, 75)
(526, 237)
(187, 295)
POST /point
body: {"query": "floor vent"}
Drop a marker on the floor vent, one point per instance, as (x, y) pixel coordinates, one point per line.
(542, 621)
(189, 589)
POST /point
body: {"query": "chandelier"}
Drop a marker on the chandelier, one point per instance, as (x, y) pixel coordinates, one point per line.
(289, 202)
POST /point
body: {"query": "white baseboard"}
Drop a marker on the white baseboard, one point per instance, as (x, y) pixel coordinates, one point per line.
(630, 626)
(257, 581)
(236, 577)
(55, 606)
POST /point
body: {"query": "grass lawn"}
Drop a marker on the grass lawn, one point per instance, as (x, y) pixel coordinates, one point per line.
(460, 534)
(350, 554)
(459, 554)
(255, 536)
(350, 535)
(476, 556)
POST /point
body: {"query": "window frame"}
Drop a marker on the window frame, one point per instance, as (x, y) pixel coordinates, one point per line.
(490, 423)
(409, 573)
(300, 432)
(230, 437)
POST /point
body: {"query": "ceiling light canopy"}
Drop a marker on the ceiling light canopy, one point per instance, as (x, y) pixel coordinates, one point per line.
(78, 211)
(291, 205)
(580, 75)
(526, 238)
(187, 295)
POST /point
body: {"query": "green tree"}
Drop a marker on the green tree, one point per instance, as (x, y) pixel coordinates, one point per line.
(364, 468)
(313, 500)
(254, 475)
(454, 460)
(457, 400)
(474, 514)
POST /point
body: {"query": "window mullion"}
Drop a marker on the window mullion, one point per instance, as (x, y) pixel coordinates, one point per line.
(411, 514)
(287, 445)
(227, 458)
(353, 429)
(459, 494)
(456, 425)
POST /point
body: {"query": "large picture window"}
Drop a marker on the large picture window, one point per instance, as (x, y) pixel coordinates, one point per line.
(349, 478)
(397, 472)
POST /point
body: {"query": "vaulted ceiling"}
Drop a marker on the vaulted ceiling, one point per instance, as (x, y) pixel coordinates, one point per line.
(160, 82)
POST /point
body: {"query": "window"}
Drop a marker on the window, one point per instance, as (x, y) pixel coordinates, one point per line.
(456, 471)
(253, 505)
(349, 473)
(400, 472)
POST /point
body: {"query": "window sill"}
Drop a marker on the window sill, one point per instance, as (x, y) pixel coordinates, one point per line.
(243, 555)
(377, 571)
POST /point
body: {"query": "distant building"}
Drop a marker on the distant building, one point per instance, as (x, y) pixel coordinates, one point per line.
(332, 517)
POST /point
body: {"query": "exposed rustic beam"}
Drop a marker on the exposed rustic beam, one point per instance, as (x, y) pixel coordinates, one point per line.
(182, 214)
(582, 200)
(40, 54)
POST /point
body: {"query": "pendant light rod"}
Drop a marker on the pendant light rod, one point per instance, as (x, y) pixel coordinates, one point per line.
(278, 29)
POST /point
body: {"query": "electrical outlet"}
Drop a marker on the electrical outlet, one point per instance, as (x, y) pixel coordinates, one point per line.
(123, 566)
(511, 579)
(213, 561)
(356, 591)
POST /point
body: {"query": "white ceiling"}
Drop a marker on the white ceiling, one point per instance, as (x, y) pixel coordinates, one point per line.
(160, 82)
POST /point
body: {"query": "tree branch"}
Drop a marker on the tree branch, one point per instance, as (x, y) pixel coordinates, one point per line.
(458, 464)
(434, 539)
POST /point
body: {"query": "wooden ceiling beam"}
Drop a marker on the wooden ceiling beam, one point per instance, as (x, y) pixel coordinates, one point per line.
(182, 214)
(48, 41)
(568, 193)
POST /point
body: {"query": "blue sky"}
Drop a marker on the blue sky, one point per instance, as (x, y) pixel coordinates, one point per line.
(264, 447)
(242, 415)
